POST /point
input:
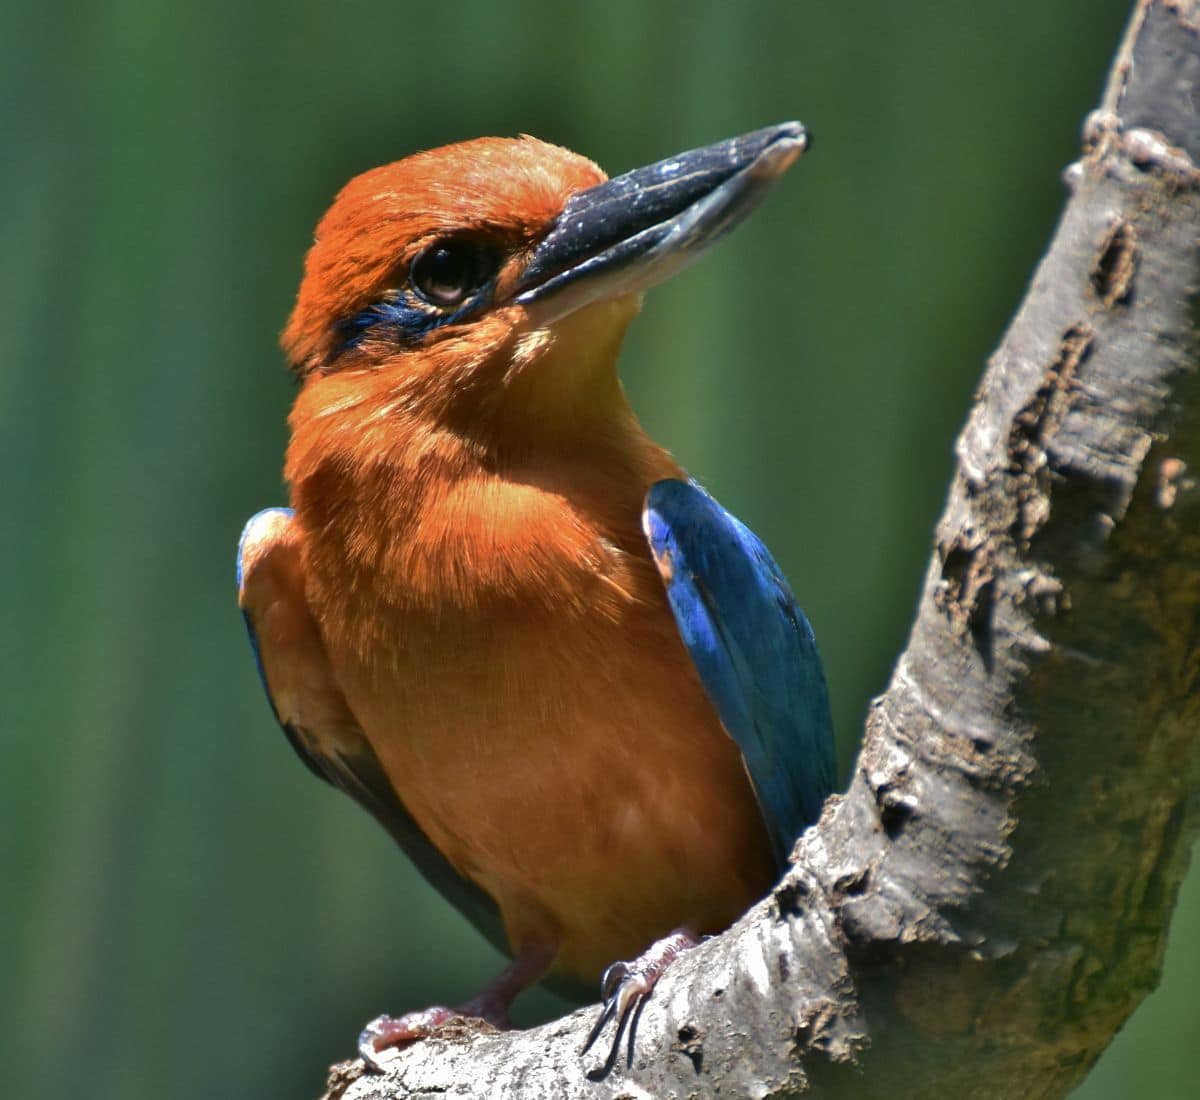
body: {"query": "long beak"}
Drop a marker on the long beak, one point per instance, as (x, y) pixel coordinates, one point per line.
(628, 234)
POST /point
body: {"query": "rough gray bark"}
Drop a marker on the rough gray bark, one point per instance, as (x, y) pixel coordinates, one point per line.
(989, 900)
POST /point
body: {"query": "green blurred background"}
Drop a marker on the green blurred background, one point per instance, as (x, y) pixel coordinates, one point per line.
(184, 911)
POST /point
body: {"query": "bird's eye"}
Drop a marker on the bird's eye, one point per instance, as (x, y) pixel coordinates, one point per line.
(446, 272)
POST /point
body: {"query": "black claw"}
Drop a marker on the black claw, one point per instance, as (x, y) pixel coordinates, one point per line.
(631, 1009)
(606, 1014)
(611, 986)
(633, 1023)
(610, 981)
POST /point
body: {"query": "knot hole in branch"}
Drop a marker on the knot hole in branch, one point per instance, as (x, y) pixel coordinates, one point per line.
(1113, 272)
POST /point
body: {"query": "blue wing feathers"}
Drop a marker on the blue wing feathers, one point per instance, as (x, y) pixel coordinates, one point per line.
(753, 648)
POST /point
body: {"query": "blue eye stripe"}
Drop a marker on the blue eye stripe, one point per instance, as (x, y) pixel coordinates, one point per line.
(404, 317)
(400, 314)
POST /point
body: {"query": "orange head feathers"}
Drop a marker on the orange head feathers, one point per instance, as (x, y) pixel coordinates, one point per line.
(499, 193)
(437, 282)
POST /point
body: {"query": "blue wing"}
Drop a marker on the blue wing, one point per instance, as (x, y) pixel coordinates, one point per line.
(754, 650)
(310, 707)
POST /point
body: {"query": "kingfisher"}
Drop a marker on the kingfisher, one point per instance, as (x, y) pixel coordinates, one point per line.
(578, 693)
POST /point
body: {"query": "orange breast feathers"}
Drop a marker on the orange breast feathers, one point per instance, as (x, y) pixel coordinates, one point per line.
(502, 635)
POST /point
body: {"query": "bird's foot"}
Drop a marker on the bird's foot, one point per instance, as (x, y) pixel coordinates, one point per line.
(390, 1032)
(624, 990)
(489, 1006)
(396, 1032)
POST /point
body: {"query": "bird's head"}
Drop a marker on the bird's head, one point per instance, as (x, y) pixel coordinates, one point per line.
(487, 285)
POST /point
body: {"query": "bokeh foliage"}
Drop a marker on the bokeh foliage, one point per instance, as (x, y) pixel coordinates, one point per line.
(184, 911)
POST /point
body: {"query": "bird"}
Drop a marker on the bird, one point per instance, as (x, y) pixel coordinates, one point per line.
(578, 693)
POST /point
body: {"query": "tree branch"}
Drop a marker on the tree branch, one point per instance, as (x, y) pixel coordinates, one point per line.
(988, 902)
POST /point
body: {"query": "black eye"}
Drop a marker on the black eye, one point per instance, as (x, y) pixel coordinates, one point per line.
(446, 272)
